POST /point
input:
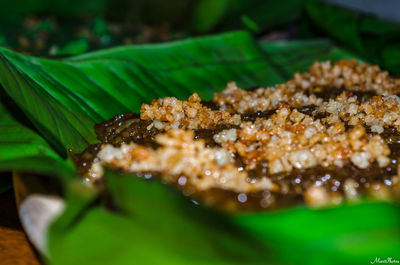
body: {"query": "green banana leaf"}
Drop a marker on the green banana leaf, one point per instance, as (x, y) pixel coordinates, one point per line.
(351, 234)
(151, 224)
(373, 38)
(23, 149)
(256, 15)
(143, 222)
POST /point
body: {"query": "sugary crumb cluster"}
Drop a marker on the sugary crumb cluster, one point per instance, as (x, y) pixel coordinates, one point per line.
(235, 99)
(350, 74)
(378, 113)
(183, 159)
(169, 113)
(298, 91)
(290, 139)
(350, 107)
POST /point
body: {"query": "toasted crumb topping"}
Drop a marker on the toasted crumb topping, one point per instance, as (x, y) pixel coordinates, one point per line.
(171, 113)
(377, 113)
(235, 99)
(290, 139)
(298, 91)
(181, 155)
(323, 135)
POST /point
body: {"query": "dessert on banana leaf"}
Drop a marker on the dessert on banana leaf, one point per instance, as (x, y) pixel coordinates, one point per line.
(326, 136)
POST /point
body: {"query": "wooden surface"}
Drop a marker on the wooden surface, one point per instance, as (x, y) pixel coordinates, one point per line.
(14, 246)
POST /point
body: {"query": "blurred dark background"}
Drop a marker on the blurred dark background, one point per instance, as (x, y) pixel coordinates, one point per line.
(59, 28)
(69, 27)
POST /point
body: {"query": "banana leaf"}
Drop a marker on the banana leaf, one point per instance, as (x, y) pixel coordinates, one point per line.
(262, 15)
(23, 149)
(150, 224)
(372, 37)
(146, 222)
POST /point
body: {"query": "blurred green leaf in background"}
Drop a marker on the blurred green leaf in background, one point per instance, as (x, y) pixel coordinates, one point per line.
(60, 28)
(373, 38)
